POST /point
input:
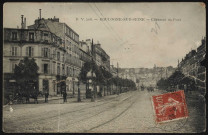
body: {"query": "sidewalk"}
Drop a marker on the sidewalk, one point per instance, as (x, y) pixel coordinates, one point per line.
(70, 99)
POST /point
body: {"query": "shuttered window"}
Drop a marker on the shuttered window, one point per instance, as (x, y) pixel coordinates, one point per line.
(29, 51)
(14, 51)
(63, 69)
(58, 69)
(58, 56)
(45, 52)
(46, 68)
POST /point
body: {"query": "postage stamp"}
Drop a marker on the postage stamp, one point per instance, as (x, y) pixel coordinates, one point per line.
(170, 106)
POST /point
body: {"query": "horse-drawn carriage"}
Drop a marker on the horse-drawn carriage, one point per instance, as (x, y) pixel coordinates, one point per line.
(20, 96)
(150, 89)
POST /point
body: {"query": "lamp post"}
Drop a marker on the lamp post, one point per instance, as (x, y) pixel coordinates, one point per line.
(73, 82)
(90, 75)
(78, 98)
(73, 85)
(91, 90)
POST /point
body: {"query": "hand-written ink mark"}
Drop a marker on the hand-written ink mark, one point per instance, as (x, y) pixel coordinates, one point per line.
(156, 28)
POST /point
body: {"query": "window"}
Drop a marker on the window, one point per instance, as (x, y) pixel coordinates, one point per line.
(58, 55)
(54, 66)
(46, 52)
(14, 51)
(29, 51)
(45, 68)
(54, 53)
(63, 69)
(63, 58)
(14, 35)
(58, 69)
(31, 36)
(70, 46)
(70, 33)
(45, 37)
(67, 71)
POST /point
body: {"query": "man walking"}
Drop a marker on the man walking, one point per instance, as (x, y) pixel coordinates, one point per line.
(65, 96)
(46, 97)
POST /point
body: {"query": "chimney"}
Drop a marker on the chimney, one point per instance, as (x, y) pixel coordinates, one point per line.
(25, 23)
(40, 13)
(22, 23)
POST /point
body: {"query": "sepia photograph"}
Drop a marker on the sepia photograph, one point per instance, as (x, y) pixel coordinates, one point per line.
(104, 67)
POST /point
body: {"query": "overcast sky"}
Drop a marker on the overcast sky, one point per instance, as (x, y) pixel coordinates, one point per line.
(130, 43)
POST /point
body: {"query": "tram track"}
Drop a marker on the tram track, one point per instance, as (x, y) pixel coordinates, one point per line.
(41, 119)
(114, 118)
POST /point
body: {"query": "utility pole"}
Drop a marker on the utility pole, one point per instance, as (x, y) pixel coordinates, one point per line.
(117, 80)
(92, 91)
(73, 82)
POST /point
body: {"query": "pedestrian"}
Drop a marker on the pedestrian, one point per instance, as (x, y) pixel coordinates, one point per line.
(63, 96)
(35, 97)
(27, 99)
(10, 99)
(46, 97)
(185, 87)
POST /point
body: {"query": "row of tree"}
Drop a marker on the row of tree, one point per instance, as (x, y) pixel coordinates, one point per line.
(26, 76)
(104, 78)
(176, 81)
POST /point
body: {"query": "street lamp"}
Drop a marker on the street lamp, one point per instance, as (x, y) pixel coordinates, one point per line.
(90, 75)
(78, 98)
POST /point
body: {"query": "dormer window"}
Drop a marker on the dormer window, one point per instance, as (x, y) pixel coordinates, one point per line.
(45, 37)
(14, 35)
(31, 36)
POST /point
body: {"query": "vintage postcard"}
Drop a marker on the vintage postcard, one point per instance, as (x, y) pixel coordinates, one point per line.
(87, 67)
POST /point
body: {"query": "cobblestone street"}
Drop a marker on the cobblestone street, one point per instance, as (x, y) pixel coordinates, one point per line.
(127, 112)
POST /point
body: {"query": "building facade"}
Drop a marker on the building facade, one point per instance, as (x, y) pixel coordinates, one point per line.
(20, 43)
(57, 51)
(70, 43)
(146, 76)
(101, 57)
(190, 66)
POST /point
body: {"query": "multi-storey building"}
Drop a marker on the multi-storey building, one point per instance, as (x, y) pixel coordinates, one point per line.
(19, 43)
(57, 51)
(101, 57)
(190, 66)
(55, 48)
(70, 43)
(85, 54)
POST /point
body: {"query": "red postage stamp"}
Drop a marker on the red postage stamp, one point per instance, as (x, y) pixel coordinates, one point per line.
(170, 106)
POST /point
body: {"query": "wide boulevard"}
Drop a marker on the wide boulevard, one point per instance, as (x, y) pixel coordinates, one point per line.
(127, 112)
